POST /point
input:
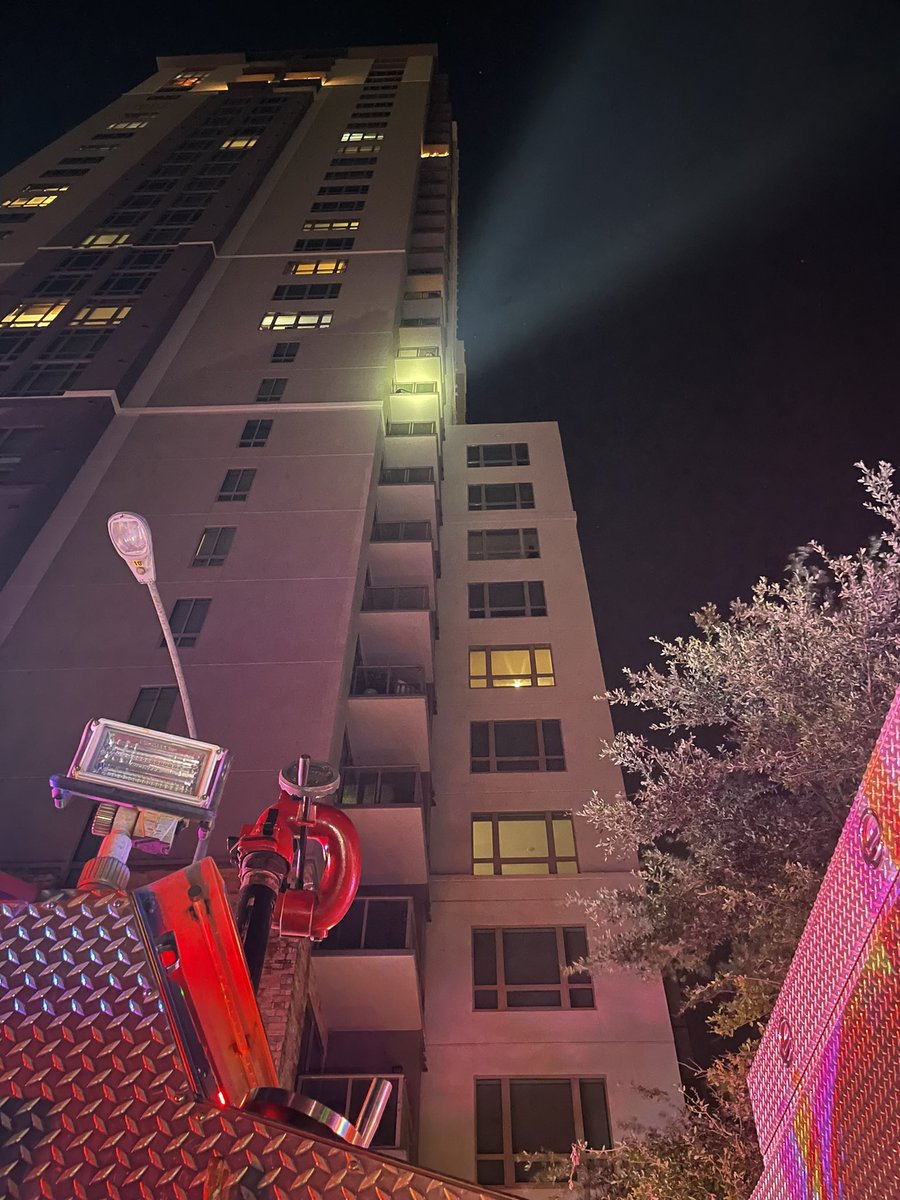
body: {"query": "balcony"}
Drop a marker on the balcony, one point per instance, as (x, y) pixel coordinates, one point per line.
(345, 1094)
(389, 715)
(401, 531)
(401, 552)
(412, 446)
(408, 493)
(366, 973)
(411, 428)
(397, 623)
(391, 809)
(395, 599)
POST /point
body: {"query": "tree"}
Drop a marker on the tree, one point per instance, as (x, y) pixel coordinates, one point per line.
(763, 722)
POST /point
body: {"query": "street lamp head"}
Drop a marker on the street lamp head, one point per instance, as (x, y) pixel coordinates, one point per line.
(131, 537)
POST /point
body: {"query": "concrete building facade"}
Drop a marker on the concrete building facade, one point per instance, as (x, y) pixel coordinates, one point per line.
(228, 302)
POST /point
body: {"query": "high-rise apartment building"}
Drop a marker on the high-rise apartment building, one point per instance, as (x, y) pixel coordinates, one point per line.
(229, 303)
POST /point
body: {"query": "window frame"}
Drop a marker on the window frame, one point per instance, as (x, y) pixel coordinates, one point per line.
(479, 497)
(493, 763)
(165, 698)
(242, 479)
(182, 617)
(554, 859)
(485, 534)
(495, 679)
(272, 321)
(531, 605)
(519, 455)
(256, 433)
(217, 553)
(568, 983)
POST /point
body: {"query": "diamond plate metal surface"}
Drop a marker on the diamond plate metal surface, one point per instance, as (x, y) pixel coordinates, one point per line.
(825, 1083)
(95, 1104)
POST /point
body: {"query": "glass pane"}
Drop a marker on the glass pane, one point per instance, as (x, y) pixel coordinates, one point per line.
(541, 1115)
(523, 838)
(516, 738)
(575, 940)
(552, 737)
(517, 681)
(386, 925)
(484, 957)
(581, 997)
(536, 999)
(490, 1170)
(564, 837)
(566, 868)
(486, 1000)
(483, 868)
(533, 868)
(511, 662)
(347, 934)
(530, 956)
(488, 1117)
(482, 839)
(595, 1113)
(479, 739)
(477, 663)
(543, 661)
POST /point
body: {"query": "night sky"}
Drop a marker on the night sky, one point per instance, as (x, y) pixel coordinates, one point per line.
(678, 239)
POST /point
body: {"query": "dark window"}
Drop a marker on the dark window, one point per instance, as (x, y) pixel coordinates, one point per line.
(506, 454)
(503, 543)
(285, 352)
(519, 1117)
(76, 346)
(46, 381)
(312, 1048)
(350, 189)
(12, 345)
(64, 172)
(153, 707)
(509, 599)
(186, 620)
(516, 746)
(374, 923)
(81, 159)
(270, 391)
(338, 206)
(236, 484)
(307, 291)
(485, 497)
(125, 283)
(526, 968)
(324, 244)
(535, 843)
(256, 434)
(213, 547)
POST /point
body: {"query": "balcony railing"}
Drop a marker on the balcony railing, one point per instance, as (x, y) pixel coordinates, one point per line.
(374, 923)
(401, 531)
(345, 1094)
(411, 428)
(421, 388)
(395, 475)
(380, 787)
(413, 598)
(388, 681)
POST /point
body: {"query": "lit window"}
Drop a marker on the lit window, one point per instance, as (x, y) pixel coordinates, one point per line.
(523, 598)
(187, 79)
(500, 454)
(186, 621)
(312, 320)
(255, 434)
(46, 189)
(424, 387)
(318, 266)
(419, 352)
(37, 201)
(239, 143)
(510, 666)
(503, 543)
(128, 125)
(528, 968)
(487, 497)
(535, 843)
(95, 316)
(325, 225)
(352, 136)
(213, 547)
(516, 1117)
(33, 316)
(505, 746)
(106, 240)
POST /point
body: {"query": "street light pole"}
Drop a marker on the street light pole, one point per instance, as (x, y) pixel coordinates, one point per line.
(130, 535)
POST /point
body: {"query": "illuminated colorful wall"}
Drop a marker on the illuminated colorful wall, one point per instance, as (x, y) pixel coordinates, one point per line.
(825, 1084)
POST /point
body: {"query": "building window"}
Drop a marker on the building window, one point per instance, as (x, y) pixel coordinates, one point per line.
(256, 434)
(419, 352)
(153, 707)
(322, 226)
(285, 352)
(38, 200)
(236, 485)
(47, 380)
(338, 206)
(312, 1048)
(270, 391)
(101, 316)
(124, 125)
(12, 345)
(348, 173)
(526, 968)
(510, 666)
(324, 243)
(415, 389)
(30, 315)
(185, 80)
(307, 291)
(519, 1117)
(15, 443)
(522, 598)
(535, 843)
(503, 543)
(485, 497)
(363, 148)
(358, 136)
(106, 240)
(186, 621)
(357, 162)
(503, 746)
(349, 189)
(419, 322)
(505, 454)
(239, 143)
(213, 547)
(64, 173)
(308, 320)
(317, 266)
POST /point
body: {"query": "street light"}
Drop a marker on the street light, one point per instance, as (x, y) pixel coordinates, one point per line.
(130, 535)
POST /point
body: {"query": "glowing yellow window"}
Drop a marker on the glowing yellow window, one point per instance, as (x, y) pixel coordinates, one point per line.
(362, 137)
(536, 843)
(319, 266)
(239, 143)
(127, 125)
(511, 666)
(103, 315)
(33, 315)
(103, 241)
(28, 202)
